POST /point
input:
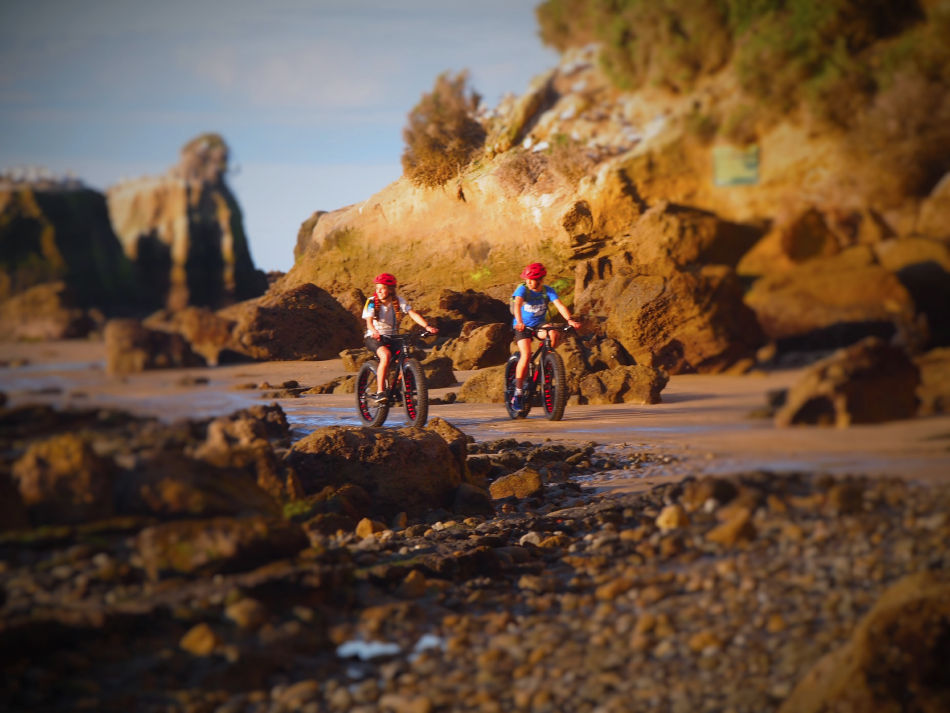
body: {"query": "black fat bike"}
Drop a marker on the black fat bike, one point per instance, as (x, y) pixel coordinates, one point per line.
(405, 384)
(545, 382)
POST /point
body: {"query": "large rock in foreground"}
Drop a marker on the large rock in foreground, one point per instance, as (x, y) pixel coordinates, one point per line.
(869, 382)
(305, 322)
(895, 660)
(406, 470)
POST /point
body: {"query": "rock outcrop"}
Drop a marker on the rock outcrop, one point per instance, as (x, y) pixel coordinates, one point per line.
(868, 382)
(304, 322)
(184, 233)
(61, 264)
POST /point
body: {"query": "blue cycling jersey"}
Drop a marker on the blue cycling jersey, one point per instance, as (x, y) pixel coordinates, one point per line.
(534, 309)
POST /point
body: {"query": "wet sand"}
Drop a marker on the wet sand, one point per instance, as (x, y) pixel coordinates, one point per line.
(703, 424)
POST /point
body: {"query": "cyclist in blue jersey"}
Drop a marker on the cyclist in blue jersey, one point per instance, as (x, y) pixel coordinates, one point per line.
(530, 305)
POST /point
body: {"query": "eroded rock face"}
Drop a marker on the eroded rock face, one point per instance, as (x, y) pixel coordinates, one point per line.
(868, 382)
(184, 232)
(834, 302)
(305, 322)
(683, 321)
(405, 470)
(63, 234)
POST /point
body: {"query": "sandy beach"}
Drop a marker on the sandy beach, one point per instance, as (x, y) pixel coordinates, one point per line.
(704, 424)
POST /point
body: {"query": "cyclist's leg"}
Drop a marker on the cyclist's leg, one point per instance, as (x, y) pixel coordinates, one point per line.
(384, 355)
(524, 350)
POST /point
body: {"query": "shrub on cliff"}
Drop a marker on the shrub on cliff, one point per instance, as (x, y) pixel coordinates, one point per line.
(851, 63)
(443, 135)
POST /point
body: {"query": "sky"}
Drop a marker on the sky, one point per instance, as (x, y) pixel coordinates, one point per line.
(311, 97)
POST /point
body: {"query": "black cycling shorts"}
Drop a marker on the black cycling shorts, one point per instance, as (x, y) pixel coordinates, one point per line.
(373, 344)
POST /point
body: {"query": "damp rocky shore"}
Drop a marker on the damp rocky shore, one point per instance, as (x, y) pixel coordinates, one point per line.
(217, 566)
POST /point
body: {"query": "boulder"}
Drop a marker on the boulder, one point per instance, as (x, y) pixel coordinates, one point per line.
(61, 480)
(438, 371)
(46, 311)
(242, 441)
(209, 334)
(403, 470)
(132, 347)
(354, 358)
(305, 322)
(684, 321)
(223, 544)
(523, 483)
(484, 386)
(830, 303)
(896, 655)
(624, 384)
(172, 484)
(456, 440)
(478, 346)
(868, 382)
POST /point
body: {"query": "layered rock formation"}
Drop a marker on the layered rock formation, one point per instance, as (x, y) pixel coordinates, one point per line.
(184, 232)
(59, 258)
(630, 203)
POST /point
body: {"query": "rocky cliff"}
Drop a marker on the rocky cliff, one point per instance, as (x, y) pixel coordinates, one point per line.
(184, 233)
(633, 200)
(59, 258)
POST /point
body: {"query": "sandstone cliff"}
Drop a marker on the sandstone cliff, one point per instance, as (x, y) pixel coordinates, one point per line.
(61, 266)
(613, 189)
(184, 233)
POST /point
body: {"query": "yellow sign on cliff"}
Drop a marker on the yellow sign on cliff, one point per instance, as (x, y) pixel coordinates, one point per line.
(736, 166)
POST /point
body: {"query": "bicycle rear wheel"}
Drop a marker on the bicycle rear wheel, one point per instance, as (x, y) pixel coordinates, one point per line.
(553, 386)
(371, 413)
(415, 393)
(510, 367)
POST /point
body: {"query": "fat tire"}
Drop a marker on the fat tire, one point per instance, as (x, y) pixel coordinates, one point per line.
(510, 367)
(553, 386)
(415, 393)
(370, 414)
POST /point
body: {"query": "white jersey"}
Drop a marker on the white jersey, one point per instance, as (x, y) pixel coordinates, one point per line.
(385, 320)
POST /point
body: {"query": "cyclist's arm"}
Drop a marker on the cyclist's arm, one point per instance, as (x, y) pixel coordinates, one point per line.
(519, 325)
(418, 319)
(371, 328)
(566, 313)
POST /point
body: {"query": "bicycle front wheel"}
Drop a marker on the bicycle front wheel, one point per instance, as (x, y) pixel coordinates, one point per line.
(553, 386)
(371, 413)
(415, 393)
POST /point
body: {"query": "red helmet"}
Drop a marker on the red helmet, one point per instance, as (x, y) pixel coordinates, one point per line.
(534, 271)
(384, 278)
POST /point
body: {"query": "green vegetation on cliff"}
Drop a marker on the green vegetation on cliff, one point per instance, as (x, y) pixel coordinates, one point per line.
(878, 69)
